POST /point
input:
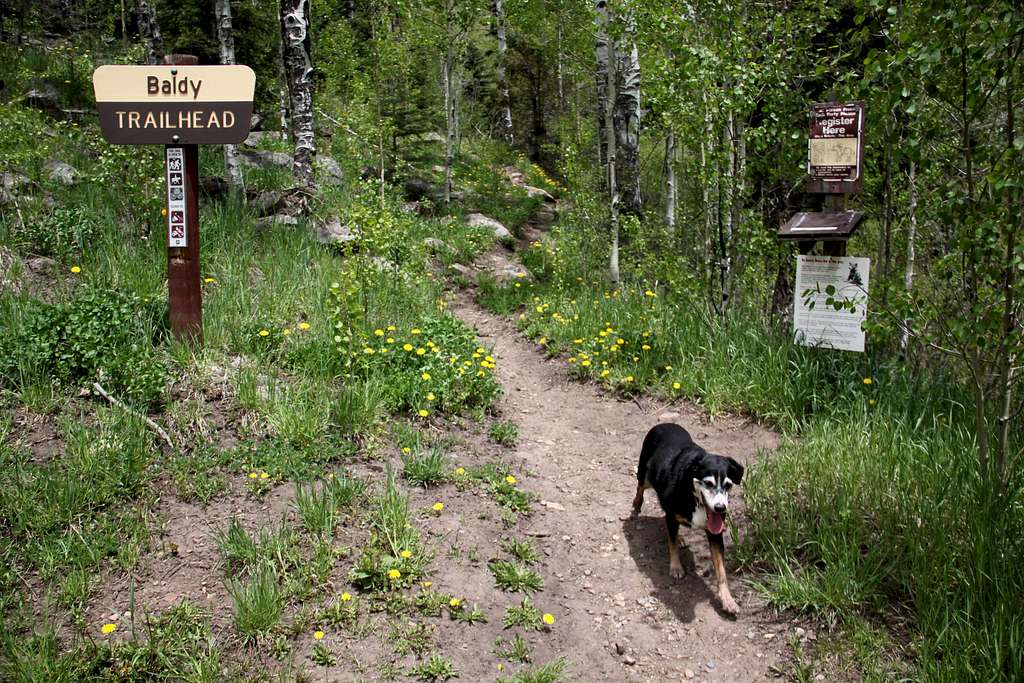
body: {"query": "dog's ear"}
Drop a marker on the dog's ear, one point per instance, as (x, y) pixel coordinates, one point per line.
(734, 470)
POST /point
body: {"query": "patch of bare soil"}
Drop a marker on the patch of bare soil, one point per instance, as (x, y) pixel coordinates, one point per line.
(621, 617)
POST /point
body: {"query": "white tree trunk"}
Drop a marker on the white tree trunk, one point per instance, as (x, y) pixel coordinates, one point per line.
(295, 27)
(449, 113)
(627, 126)
(506, 130)
(149, 28)
(908, 273)
(299, 70)
(609, 130)
(227, 56)
(602, 52)
(670, 180)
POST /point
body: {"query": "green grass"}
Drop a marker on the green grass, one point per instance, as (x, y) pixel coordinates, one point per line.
(258, 605)
(546, 673)
(511, 576)
(394, 556)
(525, 616)
(504, 433)
(425, 470)
(437, 668)
(515, 649)
(525, 551)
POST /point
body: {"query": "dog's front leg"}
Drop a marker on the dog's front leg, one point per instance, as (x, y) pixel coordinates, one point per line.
(675, 567)
(717, 545)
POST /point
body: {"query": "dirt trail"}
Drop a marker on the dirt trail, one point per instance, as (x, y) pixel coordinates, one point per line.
(622, 616)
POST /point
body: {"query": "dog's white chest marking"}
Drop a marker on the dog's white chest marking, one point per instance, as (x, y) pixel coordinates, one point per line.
(700, 518)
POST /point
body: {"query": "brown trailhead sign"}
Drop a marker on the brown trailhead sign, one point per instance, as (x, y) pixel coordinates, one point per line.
(835, 147)
(164, 105)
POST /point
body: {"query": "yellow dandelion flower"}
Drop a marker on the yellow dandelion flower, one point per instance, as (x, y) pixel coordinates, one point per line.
(415, 331)
(868, 380)
(163, 212)
(304, 325)
(76, 270)
(406, 554)
(391, 328)
(629, 378)
(390, 340)
(378, 332)
(460, 471)
(420, 351)
(585, 363)
(454, 603)
(646, 347)
(677, 386)
(437, 507)
(422, 412)
(368, 351)
(286, 331)
(871, 401)
(549, 619)
(510, 480)
(264, 475)
(430, 396)
(108, 628)
(394, 574)
(407, 347)
(345, 597)
(319, 635)
(254, 475)
(264, 333)
(605, 373)
(425, 376)
(406, 449)
(209, 280)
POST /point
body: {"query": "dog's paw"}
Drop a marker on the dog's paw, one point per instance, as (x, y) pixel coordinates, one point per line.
(676, 572)
(729, 605)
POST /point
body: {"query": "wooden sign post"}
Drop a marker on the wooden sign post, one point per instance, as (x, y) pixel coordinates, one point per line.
(179, 105)
(830, 293)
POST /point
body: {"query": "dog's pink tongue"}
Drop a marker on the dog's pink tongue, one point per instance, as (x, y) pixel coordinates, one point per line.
(716, 522)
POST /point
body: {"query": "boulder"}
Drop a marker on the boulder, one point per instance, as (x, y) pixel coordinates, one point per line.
(259, 157)
(418, 189)
(332, 231)
(538, 192)
(544, 215)
(329, 168)
(213, 186)
(464, 271)
(62, 173)
(275, 221)
(435, 245)
(501, 268)
(46, 99)
(293, 202)
(479, 220)
(12, 181)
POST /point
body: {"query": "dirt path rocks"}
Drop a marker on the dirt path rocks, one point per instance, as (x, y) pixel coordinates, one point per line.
(621, 616)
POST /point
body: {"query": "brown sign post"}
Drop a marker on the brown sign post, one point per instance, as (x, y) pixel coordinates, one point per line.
(835, 169)
(179, 105)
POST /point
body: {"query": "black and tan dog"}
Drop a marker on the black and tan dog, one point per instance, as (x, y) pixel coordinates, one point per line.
(693, 489)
